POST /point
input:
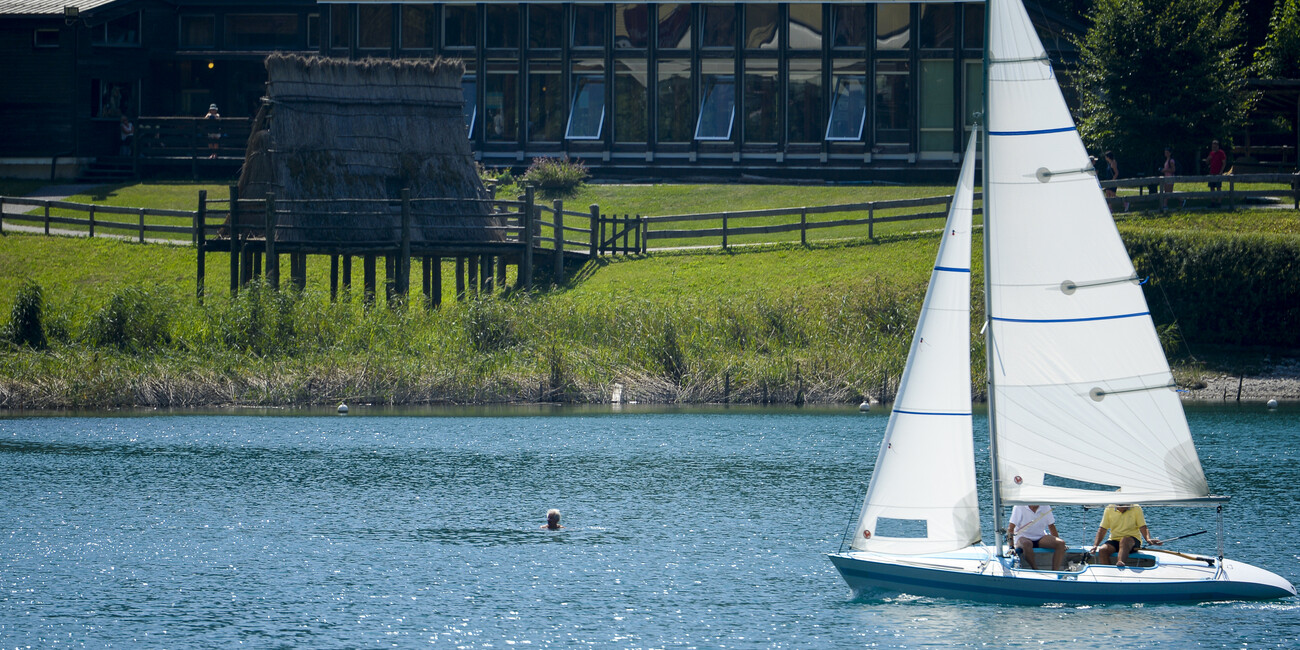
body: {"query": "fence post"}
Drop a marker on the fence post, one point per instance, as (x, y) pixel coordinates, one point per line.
(272, 260)
(47, 217)
(1295, 186)
(92, 221)
(526, 273)
(871, 220)
(233, 220)
(2, 217)
(404, 259)
(334, 278)
(645, 234)
(595, 234)
(200, 242)
(142, 227)
(1232, 195)
(559, 241)
(627, 225)
(803, 227)
(724, 231)
(601, 248)
(639, 243)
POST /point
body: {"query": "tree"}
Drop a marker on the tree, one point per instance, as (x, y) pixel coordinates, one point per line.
(1279, 56)
(1156, 73)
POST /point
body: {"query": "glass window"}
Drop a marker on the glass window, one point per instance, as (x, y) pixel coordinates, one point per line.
(718, 105)
(45, 38)
(340, 28)
(631, 26)
(418, 27)
(630, 98)
(805, 27)
(718, 26)
(850, 25)
(119, 31)
(501, 101)
(676, 111)
(805, 90)
(375, 27)
(545, 26)
(973, 92)
(973, 26)
(545, 102)
(762, 108)
(893, 102)
(674, 26)
(313, 31)
(198, 31)
(587, 114)
(938, 25)
(588, 25)
(760, 27)
(112, 99)
(502, 25)
(459, 24)
(848, 105)
(937, 103)
(469, 84)
(893, 26)
(262, 32)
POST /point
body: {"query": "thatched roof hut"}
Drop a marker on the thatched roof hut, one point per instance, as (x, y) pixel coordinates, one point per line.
(331, 131)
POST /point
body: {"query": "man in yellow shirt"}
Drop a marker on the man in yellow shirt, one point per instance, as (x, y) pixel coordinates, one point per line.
(1126, 523)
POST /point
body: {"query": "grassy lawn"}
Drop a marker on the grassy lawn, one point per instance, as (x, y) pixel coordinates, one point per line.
(161, 195)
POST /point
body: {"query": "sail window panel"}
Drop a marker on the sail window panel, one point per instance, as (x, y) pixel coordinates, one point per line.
(545, 26)
(893, 26)
(973, 26)
(419, 26)
(374, 27)
(938, 28)
(631, 97)
(902, 528)
(848, 103)
(718, 26)
(588, 25)
(459, 26)
(674, 26)
(893, 106)
(469, 84)
(718, 104)
(805, 117)
(762, 102)
(502, 25)
(805, 27)
(545, 102)
(587, 111)
(761, 20)
(850, 23)
(972, 92)
(632, 26)
(501, 101)
(262, 31)
(340, 27)
(674, 105)
(198, 31)
(937, 105)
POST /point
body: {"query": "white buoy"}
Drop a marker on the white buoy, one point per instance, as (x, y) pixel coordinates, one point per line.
(1272, 403)
(343, 409)
(865, 406)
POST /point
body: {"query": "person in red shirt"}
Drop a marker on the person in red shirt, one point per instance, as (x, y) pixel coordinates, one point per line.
(1216, 161)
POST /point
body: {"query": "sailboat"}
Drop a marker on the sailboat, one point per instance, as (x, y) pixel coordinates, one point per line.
(1082, 404)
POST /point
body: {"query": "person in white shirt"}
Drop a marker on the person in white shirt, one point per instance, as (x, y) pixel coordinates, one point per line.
(1034, 527)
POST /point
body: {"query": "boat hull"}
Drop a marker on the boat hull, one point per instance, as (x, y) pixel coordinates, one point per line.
(975, 574)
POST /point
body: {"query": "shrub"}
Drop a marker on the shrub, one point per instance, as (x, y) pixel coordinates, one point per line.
(25, 320)
(557, 176)
(134, 321)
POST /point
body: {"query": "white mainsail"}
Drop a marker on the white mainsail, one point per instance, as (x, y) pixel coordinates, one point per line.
(1081, 387)
(925, 470)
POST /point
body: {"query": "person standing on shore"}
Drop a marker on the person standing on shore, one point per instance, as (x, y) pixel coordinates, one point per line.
(1168, 170)
(1216, 161)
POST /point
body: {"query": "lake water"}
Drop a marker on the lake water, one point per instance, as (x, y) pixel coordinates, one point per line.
(693, 528)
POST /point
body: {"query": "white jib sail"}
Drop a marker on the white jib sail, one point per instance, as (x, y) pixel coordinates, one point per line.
(922, 496)
(1085, 410)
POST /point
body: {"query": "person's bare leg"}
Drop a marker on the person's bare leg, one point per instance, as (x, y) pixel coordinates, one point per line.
(1026, 548)
(1058, 555)
(1103, 554)
(1125, 545)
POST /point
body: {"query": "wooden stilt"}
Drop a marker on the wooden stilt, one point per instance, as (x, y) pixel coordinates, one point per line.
(369, 263)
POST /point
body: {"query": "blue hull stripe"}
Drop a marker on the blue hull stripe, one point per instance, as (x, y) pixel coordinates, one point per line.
(1038, 132)
(928, 413)
(1069, 320)
(951, 269)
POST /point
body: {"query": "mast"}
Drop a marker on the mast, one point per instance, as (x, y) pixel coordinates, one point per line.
(988, 329)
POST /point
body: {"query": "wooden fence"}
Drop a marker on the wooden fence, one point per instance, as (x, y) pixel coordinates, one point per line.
(1149, 196)
(99, 218)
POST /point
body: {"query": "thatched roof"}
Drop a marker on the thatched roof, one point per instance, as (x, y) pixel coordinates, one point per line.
(331, 131)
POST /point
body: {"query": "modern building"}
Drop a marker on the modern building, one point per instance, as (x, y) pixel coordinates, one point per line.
(815, 90)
